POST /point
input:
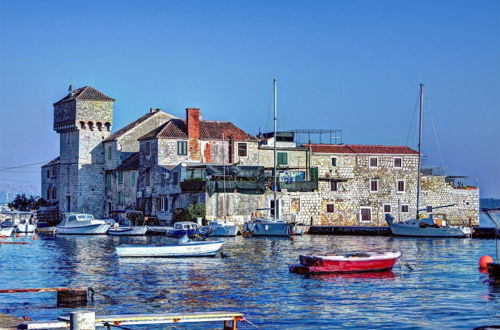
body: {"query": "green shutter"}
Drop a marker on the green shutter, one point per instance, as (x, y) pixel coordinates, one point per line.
(282, 158)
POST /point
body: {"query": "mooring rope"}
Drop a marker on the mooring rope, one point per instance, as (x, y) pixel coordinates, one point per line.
(101, 294)
(249, 322)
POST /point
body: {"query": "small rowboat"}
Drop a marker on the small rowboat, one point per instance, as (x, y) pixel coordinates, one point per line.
(187, 249)
(348, 263)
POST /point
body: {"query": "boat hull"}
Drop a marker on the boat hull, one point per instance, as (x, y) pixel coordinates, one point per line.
(190, 249)
(177, 233)
(268, 229)
(223, 231)
(96, 229)
(25, 228)
(401, 229)
(128, 231)
(340, 264)
(6, 232)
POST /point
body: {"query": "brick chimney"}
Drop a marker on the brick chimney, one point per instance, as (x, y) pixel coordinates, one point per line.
(193, 123)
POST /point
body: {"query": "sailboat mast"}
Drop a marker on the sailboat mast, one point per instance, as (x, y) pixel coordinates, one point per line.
(420, 131)
(224, 179)
(275, 140)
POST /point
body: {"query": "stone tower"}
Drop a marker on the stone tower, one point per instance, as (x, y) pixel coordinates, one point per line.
(83, 119)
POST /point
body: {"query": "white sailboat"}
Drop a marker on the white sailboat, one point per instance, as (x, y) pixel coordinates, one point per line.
(424, 226)
(271, 226)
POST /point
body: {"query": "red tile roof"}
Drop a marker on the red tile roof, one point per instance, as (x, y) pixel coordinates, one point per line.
(86, 93)
(361, 149)
(209, 130)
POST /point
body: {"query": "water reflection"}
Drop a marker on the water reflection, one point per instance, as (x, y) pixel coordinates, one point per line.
(434, 285)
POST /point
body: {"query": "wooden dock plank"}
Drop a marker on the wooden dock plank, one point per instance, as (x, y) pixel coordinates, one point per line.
(9, 321)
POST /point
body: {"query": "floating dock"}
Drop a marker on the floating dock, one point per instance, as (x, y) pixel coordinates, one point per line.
(350, 230)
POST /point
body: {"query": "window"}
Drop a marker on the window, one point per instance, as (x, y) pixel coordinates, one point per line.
(163, 179)
(164, 204)
(334, 185)
(147, 148)
(282, 158)
(54, 193)
(120, 197)
(108, 180)
(48, 174)
(120, 177)
(366, 214)
(401, 186)
(398, 162)
(48, 193)
(147, 178)
(330, 208)
(373, 161)
(176, 178)
(182, 148)
(334, 161)
(295, 205)
(373, 185)
(242, 149)
(132, 179)
(54, 170)
(387, 208)
(110, 153)
(404, 208)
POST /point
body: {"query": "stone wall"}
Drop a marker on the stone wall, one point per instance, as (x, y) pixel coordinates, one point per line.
(437, 192)
(49, 182)
(297, 157)
(353, 177)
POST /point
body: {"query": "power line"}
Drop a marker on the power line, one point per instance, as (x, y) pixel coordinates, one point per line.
(19, 166)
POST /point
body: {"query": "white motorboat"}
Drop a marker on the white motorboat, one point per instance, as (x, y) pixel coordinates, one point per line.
(220, 228)
(25, 228)
(81, 224)
(186, 248)
(6, 232)
(125, 227)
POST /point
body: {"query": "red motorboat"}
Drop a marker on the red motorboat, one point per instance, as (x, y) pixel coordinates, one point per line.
(348, 263)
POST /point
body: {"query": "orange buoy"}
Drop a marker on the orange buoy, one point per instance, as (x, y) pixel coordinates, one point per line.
(484, 261)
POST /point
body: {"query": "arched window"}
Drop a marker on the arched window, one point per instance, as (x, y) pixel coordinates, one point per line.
(108, 126)
(82, 125)
(99, 126)
(91, 125)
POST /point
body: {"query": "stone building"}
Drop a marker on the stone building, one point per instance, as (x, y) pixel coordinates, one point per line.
(83, 119)
(160, 163)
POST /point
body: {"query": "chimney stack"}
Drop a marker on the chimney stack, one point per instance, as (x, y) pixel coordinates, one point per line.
(193, 123)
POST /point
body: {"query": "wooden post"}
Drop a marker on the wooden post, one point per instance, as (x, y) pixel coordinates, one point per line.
(82, 320)
(72, 297)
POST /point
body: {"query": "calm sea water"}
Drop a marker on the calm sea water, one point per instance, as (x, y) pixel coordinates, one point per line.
(435, 285)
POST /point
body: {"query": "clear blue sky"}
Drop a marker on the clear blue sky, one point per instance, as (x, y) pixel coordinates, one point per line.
(351, 65)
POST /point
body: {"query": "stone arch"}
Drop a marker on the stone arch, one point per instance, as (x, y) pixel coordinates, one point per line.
(108, 126)
(99, 125)
(91, 125)
(82, 124)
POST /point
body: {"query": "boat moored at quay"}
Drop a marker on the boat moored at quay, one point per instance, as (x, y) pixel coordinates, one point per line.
(81, 224)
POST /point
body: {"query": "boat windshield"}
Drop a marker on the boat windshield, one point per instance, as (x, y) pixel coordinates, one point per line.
(84, 217)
